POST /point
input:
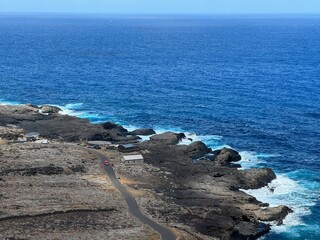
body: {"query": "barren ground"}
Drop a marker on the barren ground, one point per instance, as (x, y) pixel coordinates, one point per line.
(38, 201)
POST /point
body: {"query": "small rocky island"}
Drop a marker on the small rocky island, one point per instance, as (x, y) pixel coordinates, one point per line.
(58, 190)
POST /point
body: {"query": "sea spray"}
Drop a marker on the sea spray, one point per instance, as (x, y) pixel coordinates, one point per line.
(299, 196)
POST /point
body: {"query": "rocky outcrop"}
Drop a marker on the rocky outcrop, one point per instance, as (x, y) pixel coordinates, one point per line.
(62, 127)
(197, 150)
(66, 128)
(168, 138)
(50, 109)
(256, 178)
(244, 230)
(226, 156)
(273, 213)
(200, 185)
(143, 132)
(115, 133)
(114, 126)
(268, 214)
(13, 115)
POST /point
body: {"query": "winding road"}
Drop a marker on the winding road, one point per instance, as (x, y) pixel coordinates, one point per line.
(166, 234)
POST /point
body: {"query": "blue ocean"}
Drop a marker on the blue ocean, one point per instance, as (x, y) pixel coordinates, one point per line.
(248, 82)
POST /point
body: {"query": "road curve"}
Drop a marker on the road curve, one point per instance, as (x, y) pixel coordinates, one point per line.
(166, 234)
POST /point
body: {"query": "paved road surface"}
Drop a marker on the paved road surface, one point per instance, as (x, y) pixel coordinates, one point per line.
(166, 234)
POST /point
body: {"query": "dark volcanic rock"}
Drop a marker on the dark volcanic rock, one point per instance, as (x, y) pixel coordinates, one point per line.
(211, 191)
(197, 150)
(226, 156)
(143, 132)
(181, 136)
(246, 230)
(50, 109)
(16, 114)
(63, 127)
(32, 106)
(256, 178)
(99, 136)
(114, 133)
(111, 126)
(169, 138)
(273, 214)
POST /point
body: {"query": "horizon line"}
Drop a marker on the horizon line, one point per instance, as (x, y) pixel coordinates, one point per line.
(157, 14)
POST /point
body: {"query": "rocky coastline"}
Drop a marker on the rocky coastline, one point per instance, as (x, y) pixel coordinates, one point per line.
(190, 188)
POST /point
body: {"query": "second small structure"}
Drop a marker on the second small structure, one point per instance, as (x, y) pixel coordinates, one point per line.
(133, 159)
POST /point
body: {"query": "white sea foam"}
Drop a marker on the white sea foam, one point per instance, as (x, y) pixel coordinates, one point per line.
(74, 109)
(130, 127)
(4, 102)
(73, 106)
(70, 109)
(67, 112)
(285, 191)
(281, 191)
(213, 141)
(250, 159)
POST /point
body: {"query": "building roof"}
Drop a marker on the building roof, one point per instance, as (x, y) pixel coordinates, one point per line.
(99, 143)
(133, 157)
(32, 134)
(127, 145)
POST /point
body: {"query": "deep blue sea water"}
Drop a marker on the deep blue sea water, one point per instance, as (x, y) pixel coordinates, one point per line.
(252, 83)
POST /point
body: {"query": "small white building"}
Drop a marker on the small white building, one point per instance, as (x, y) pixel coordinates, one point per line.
(133, 159)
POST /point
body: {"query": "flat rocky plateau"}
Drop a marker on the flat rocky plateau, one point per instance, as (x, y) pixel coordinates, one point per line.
(60, 191)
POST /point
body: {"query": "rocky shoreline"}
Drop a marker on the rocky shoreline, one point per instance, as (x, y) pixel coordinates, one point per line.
(187, 187)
